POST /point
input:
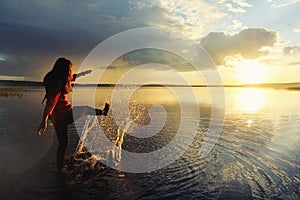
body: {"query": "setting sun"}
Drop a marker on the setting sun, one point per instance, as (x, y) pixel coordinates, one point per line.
(251, 71)
(150, 99)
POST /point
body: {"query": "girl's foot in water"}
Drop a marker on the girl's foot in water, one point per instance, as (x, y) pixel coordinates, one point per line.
(105, 110)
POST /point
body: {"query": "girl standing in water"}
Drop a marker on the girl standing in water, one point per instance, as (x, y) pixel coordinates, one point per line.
(58, 84)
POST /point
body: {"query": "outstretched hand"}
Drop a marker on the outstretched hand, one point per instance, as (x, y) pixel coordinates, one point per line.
(83, 73)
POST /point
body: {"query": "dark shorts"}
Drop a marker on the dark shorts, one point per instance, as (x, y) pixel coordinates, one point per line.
(76, 113)
(61, 128)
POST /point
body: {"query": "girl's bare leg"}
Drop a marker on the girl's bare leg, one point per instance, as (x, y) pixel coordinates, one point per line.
(81, 111)
(61, 129)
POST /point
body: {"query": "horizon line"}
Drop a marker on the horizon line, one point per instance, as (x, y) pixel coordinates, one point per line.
(39, 83)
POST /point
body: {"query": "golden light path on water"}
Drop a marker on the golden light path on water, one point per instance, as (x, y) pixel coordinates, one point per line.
(256, 157)
(249, 100)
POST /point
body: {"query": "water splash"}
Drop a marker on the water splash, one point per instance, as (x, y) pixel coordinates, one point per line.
(88, 136)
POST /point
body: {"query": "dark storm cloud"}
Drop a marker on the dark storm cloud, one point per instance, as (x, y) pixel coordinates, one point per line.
(34, 33)
(28, 47)
(246, 43)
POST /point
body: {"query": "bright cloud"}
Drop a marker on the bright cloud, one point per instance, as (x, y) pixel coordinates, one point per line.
(235, 6)
(195, 16)
(291, 50)
(34, 33)
(297, 30)
(247, 43)
(283, 3)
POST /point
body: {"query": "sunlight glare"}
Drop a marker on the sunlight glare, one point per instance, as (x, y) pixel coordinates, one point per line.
(250, 100)
(250, 71)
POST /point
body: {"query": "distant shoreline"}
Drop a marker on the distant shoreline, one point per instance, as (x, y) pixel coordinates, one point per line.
(289, 86)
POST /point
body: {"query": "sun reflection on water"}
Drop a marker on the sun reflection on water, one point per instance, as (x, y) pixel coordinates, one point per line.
(249, 100)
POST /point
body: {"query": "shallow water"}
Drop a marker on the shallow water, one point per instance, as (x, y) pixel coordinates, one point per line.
(256, 156)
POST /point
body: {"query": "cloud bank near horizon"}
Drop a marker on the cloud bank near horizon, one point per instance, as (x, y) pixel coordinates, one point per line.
(247, 43)
(35, 33)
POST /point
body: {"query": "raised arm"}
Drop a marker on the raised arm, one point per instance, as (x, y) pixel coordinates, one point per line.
(81, 74)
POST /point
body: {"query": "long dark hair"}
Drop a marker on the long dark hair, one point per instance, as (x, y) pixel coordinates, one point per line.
(61, 74)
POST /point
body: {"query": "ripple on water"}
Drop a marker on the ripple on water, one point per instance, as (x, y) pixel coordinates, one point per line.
(248, 162)
(244, 164)
(254, 160)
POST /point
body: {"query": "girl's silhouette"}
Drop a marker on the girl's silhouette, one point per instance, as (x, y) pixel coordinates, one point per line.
(57, 83)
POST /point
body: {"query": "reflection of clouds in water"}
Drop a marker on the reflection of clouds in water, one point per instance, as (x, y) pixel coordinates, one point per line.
(21, 148)
(9, 92)
(286, 141)
(255, 141)
(264, 156)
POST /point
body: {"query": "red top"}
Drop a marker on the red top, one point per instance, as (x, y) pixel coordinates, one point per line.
(57, 104)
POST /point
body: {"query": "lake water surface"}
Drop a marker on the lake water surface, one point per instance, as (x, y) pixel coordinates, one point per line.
(256, 157)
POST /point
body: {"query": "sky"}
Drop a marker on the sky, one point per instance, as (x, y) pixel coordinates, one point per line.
(249, 41)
